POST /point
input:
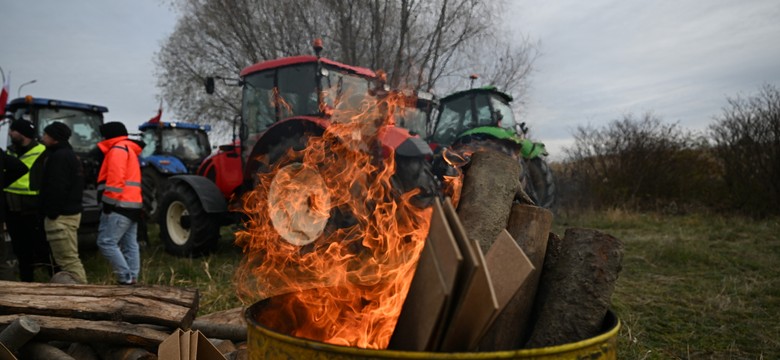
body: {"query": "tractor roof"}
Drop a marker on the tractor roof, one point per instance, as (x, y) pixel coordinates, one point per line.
(303, 59)
(173, 125)
(484, 89)
(41, 102)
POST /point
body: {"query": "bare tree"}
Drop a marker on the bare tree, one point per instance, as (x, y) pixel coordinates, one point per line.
(747, 138)
(421, 45)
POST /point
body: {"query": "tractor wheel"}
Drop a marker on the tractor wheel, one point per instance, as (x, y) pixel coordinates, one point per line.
(185, 228)
(308, 224)
(301, 225)
(153, 186)
(540, 185)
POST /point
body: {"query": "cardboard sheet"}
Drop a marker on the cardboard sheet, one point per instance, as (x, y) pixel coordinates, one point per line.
(475, 302)
(430, 293)
(188, 345)
(509, 269)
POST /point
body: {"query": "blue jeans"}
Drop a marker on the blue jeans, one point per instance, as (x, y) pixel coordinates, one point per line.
(118, 242)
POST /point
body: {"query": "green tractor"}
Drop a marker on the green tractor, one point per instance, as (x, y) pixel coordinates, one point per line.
(483, 117)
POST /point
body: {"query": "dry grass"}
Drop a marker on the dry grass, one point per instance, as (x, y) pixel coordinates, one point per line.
(692, 287)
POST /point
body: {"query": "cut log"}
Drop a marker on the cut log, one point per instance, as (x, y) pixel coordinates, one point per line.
(233, 316)
(530, 227)
(223, 346)
(576, 287)
(88, 331)
(19, 332)
(489, 188)
(124, 353)
(82, 351)
(235, 332)
(168, 306)
(41, 351)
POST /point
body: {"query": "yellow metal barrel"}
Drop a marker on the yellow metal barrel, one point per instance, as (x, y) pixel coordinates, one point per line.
(266, 344)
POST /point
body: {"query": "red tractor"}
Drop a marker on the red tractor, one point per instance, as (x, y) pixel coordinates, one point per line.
(285, 102)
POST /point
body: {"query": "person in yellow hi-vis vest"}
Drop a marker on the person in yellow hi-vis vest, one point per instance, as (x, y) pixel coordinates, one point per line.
(23, 220)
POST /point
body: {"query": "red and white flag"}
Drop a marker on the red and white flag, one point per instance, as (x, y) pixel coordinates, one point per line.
(4, 94)
(156, 119)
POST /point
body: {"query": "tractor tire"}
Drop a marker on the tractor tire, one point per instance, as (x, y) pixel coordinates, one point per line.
(153, 186)
(411, 173)
(186, 229)
(540, 185)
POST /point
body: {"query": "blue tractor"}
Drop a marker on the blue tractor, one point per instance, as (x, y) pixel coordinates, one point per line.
(172, 148)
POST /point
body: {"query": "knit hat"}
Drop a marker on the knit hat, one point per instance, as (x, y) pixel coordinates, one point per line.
(113, 129)
(58, 131)
(24, 127)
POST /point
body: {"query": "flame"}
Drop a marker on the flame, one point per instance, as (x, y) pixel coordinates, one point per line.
(453, 184)
(329, 239)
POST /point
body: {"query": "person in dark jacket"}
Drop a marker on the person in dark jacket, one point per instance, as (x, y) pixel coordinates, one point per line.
(23, 220)
(61, 191)
(11, 169)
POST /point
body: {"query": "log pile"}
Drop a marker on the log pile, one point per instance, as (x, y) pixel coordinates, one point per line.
(75, 321)
(493, 276)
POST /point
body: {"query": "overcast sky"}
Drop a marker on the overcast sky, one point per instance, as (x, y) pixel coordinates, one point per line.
(599, 59)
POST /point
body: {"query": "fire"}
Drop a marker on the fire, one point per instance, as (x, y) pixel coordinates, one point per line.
(453, 183)
(329, 239)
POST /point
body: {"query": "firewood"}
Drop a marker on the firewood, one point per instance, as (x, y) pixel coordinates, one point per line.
(168, 306)
(223, 346)
(576, 287)
(87, 331)
(124, 353)
(489, 188)
(82, 351)
(235, 332)
(41, 351)
(530, 227)
(19, 332)
(240, 354)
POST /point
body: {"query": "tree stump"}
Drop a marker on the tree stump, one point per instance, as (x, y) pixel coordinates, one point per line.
(489, 188)
(530, 227)
(575, 288)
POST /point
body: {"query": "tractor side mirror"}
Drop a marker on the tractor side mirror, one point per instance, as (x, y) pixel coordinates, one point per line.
(209, 82)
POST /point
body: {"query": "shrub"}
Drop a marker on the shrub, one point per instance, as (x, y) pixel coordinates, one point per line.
(747, 142)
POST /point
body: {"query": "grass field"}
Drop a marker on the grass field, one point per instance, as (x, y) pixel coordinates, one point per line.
(692, 287)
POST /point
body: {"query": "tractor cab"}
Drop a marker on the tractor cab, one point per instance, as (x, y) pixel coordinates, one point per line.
(473, 113)
(174, 147)
(482, 118)
(418, 112)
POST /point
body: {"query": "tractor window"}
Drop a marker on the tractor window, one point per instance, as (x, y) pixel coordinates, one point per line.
(503, 113)
(297, 90)
(185, 144)
(413, 119)
(453, 119)
(84, 125)
(484, 115)
(344, 90)
(150, 138)
(259, 111)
